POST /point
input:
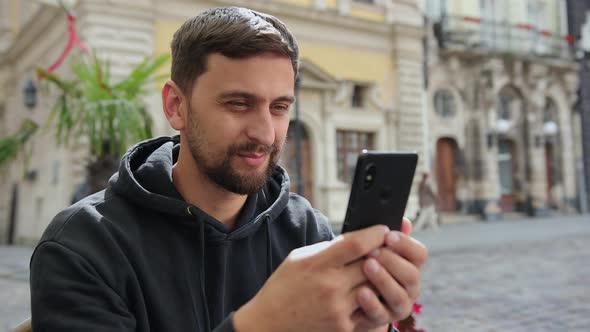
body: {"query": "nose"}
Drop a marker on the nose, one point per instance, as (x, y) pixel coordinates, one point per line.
(260, 128)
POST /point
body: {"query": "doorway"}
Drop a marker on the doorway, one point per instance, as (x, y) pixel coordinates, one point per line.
(289, 161)
(507, 170)
(446, 174)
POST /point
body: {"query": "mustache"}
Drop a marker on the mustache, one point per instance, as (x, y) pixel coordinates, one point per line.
(252, 147)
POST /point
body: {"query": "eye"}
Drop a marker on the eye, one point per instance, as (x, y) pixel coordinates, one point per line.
(281, 108)
(237, 105)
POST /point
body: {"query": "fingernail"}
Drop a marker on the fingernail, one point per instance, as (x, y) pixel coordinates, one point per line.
(392, 237)
(372, 266)
(385, 230)
(375, 253)
(364, 296)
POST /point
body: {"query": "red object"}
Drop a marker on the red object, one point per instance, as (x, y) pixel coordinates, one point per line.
(526, 26)
(546, 33)
(570, 39)
(472, 19)
(417, 308)
(73, 38)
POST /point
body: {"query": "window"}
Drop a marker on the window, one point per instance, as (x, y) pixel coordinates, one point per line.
(349, 144)
(444, 103)
(505, 166)
(504, 106)
(359, 94)
(550, 111)
(289, 155)
(55, 172)
(435, 9)
(38, 207)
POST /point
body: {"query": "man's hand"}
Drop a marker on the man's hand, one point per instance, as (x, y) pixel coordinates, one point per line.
(316, 287)
(394, 275)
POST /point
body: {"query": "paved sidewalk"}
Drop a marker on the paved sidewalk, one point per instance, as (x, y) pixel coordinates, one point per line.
(525, 275)
(14, 286)
(528, 275)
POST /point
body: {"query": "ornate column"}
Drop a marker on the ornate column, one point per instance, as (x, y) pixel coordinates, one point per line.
(408, 76)
(490, 186)
(536, 166)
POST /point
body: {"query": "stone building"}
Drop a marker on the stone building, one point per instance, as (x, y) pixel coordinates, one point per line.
(503, 131)
(361, 87)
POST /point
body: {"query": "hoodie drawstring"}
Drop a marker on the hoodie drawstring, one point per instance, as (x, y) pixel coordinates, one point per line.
(201, 273)
(269, 265)
(202, 277)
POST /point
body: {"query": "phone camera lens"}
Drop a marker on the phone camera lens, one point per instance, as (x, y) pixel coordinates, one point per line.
(370, 173)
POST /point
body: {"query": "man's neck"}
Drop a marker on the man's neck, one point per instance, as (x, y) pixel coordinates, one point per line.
(199, 190)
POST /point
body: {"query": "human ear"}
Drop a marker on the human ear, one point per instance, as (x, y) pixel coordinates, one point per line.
(173, 101)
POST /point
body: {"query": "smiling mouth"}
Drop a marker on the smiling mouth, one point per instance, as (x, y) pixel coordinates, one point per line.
(253, 159)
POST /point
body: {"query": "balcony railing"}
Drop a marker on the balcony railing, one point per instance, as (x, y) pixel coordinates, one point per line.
(500, 37)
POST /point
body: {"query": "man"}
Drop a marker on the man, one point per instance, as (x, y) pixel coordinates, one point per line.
(199, 232)
(427, 216)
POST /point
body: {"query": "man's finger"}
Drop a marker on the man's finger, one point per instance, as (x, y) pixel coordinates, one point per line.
(407, 247)
(349, 247)
(353, 275)
(406, 273)
(406, 226)
(374, 309)
(394, 295)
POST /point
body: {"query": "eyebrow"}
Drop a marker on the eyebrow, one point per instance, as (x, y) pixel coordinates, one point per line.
(251, 96)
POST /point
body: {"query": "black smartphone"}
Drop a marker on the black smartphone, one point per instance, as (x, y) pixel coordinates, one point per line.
(380, 189)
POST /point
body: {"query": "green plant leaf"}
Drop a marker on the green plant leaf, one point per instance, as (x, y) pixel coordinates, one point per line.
(103, 112)
(10, 146)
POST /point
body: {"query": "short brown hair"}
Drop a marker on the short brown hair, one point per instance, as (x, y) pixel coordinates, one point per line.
(232, 31)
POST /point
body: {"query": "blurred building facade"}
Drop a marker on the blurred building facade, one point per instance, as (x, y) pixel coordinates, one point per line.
(502, 127)
(361, 87)
(483, 90)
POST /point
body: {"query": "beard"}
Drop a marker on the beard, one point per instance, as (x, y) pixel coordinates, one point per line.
(218, 166)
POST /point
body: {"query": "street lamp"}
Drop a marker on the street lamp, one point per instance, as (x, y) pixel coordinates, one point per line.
(30, 94)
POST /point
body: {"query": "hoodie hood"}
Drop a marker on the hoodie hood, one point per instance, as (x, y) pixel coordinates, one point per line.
(145, 178)
(140, 248)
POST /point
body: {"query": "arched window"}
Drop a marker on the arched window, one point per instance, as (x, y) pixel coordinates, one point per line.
(444, 103)
(550, 111)
(509, 105)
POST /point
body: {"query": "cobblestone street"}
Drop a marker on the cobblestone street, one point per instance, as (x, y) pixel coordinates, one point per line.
(14, 286)
(519, 275)
(528, 275)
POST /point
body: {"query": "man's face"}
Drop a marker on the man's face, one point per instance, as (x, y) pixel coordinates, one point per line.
(238, 118)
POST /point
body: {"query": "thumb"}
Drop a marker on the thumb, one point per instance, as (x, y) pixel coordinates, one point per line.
(406, 226)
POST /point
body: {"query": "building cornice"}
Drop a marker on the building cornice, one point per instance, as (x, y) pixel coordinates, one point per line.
(475, 55)
(324, 16)
(130, 9)
(408, 31)
(26, 38)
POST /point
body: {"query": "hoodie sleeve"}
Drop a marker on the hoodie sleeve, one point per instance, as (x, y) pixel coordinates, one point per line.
(227, 325)
(67, 294)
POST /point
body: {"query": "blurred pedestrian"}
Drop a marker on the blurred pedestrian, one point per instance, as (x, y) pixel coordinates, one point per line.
(427, 215)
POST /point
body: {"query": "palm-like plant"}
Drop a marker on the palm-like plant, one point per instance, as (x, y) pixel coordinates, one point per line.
(91, 106)
(10, 146)
(109, 115)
